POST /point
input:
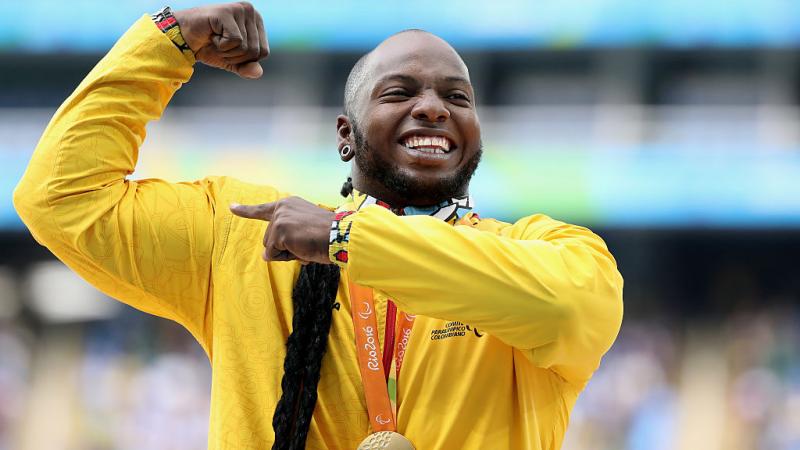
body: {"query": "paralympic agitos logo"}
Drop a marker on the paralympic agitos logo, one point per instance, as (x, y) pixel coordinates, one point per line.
(367, 311)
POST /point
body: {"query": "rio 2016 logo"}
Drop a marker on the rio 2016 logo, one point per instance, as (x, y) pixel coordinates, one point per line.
(372, 349)
(401, 348)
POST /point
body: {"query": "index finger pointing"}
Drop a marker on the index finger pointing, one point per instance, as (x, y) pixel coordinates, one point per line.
(261, 212)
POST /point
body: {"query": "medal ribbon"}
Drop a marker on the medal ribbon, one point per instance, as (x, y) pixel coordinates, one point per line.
(374, 372)
(374, 364)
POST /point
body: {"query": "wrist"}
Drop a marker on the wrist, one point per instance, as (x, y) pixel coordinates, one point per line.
(168, 23)
(338, 245)
(184, 17)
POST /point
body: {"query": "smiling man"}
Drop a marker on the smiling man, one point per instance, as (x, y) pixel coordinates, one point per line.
(399, 319)
(421, 151)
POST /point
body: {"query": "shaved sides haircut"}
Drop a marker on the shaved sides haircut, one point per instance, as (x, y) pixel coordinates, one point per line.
(355, 80)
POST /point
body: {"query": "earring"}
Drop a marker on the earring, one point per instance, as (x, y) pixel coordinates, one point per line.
(345, 151)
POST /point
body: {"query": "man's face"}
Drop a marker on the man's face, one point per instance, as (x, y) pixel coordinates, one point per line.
(416, 131)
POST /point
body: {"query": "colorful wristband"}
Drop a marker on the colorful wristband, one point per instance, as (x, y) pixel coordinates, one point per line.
(340, 238)
(166, 22)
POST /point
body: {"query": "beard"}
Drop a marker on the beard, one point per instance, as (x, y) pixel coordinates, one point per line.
(374, 166)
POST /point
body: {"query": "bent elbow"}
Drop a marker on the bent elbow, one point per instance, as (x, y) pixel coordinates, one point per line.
(30, 200)
(581, 302)
(31, 205)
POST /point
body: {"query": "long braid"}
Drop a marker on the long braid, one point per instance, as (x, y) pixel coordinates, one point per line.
(321, 318)
(313, 298)
(295, 361)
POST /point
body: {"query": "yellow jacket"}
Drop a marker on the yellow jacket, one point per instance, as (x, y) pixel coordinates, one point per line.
(512, 318)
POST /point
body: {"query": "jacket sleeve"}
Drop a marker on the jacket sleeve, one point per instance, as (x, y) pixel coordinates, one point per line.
(549, 289)
(147, 243)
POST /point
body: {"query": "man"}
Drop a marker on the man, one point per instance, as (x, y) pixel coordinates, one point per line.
(497, 327)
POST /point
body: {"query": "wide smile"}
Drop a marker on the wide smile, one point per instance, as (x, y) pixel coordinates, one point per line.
(427, 144)
(428, 148)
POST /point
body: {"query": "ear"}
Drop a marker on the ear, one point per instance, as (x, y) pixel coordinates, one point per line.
(344, 135)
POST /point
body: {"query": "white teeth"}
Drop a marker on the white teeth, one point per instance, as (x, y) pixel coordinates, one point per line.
(429, 144)
(435, 150)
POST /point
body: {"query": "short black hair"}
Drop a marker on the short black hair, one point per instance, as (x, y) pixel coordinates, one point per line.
(354, 82)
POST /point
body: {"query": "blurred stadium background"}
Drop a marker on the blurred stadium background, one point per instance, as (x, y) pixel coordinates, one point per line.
(669, 127)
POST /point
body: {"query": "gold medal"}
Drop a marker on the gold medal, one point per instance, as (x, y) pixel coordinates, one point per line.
(385, 440)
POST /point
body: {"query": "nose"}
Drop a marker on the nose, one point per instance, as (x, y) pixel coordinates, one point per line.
(430, 108)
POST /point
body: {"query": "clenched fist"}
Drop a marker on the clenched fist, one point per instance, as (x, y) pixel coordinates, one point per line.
(230, 36)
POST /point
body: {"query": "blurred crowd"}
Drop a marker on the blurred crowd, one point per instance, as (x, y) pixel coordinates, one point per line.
(730, 383)
(134, 382)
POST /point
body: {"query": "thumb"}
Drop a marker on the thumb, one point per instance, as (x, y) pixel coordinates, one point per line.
(261, 212)
(251, 70)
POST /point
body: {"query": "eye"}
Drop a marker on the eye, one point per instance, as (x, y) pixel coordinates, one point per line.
(458, 96)
(396, 93)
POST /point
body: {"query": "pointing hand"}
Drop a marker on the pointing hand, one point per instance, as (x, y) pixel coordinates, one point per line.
(297, 229)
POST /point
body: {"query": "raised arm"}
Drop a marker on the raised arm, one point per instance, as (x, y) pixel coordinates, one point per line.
(148, 242)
